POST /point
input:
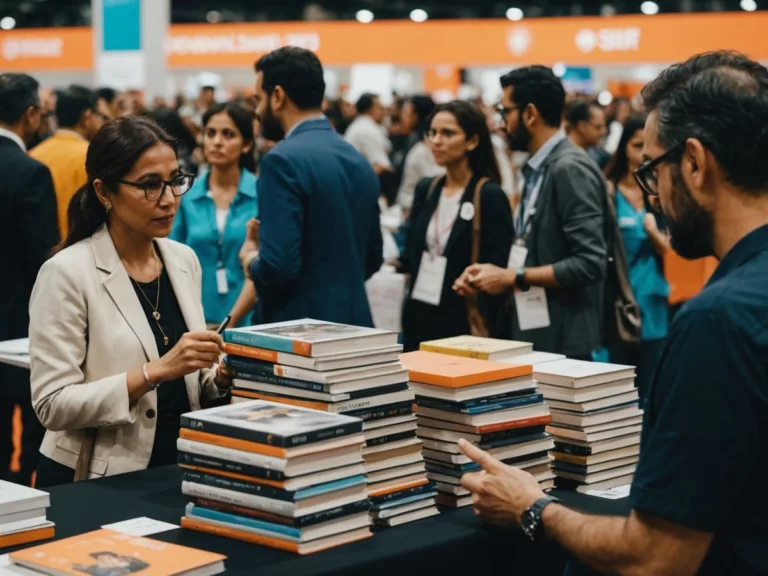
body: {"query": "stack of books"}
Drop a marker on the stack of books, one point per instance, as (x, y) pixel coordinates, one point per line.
(493, 405)
(596, 422)
(23, 515)
(110, 553)
(346, 370)
(276, 475)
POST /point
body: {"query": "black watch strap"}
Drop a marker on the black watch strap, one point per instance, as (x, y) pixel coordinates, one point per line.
(520, 280)
(531, 519)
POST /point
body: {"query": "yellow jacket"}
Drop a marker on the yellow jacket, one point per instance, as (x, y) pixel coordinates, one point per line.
(64, 155)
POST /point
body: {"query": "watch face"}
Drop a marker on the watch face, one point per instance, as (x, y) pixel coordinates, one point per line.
(529, 523)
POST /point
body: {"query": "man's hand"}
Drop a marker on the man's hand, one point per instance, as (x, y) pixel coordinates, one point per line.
(500, 493)
(485, 278)
(250, 249)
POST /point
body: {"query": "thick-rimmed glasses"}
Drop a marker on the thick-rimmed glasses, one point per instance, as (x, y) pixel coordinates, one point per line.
(646, 174)
(154, 189)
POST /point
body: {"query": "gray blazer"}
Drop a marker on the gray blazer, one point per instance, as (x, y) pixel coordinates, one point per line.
(568, 231)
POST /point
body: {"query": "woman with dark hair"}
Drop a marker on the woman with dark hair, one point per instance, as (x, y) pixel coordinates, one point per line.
(418, 163)
(213, 217)
(170, 121)
(645, 242)
(440, 238)
(118, 345)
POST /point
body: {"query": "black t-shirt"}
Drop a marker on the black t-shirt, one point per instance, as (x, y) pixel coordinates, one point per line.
(704, 453)
(172, 399)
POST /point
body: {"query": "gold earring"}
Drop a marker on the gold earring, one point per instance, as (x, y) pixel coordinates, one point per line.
(107, 208)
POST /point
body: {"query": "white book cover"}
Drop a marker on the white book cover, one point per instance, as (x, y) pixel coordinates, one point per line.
(576, 373)
(15, 352)
(16, 498)
(534, 358)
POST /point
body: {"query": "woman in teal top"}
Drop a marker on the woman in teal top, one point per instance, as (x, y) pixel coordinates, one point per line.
(645, 243)
(213, 216)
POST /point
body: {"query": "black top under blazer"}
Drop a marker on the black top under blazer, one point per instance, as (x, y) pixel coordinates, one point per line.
(422, 321)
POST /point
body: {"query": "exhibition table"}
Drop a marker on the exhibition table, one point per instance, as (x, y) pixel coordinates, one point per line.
(454, 542)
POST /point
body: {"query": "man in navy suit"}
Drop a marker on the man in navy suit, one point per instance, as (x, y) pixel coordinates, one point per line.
(318, 238)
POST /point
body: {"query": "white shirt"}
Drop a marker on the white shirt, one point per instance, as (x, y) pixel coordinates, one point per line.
(13, 136)
(419, 164)
(370, 139)
(221, 219)
(442, 221)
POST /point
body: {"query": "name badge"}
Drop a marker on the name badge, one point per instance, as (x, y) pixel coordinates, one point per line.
(222, 284)
(627, 222)
(467, 211)
(532, 309)
(428, 287)
(517, 256)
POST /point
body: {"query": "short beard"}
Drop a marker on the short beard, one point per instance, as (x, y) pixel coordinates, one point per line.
(692, 230)
(520, 140)
(271, 129)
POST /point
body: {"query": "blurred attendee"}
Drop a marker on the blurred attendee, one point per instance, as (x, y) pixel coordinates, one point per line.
(501, 149)
(646, 244)
(213, 217)
(207, 98)
(28, 231)
(440, 237)
(419, 163)
(118, 344)
(81, 113)
(621, 110)
(319, 238)
(559, 259)
(159, 103)
(171, 121)
(110, 96)
(586, 128)
(48, 123)
(367, 134)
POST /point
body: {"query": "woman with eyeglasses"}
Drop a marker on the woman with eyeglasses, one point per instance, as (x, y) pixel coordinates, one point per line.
(118, 343)
(213, 218)
(645, 242)
(440, 238)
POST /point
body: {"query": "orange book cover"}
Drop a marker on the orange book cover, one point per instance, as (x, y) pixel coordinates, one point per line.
(109, 553)
(26, 537)
(512, 424)
(250, 537)
(457, 371)
(392, 489)
(322, 406)
(248, 352)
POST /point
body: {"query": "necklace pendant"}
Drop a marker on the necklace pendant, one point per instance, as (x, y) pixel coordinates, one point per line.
(165, 339)
(156, 315)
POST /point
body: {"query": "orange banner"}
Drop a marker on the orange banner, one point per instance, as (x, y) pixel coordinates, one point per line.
(463, 43)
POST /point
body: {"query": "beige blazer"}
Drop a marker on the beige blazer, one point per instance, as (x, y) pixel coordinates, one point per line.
(87, 330)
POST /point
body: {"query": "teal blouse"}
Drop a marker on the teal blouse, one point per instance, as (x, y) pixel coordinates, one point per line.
(196, 227)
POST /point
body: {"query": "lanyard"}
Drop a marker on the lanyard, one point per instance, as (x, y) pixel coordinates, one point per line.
(219, 233)
(438, 234)
(527, 209)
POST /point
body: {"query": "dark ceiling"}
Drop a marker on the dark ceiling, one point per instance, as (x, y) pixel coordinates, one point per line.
(34, 13)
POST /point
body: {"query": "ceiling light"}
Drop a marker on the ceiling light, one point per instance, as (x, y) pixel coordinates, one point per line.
(419, 15)
(749, 5)
(604, 98)
(364, 16)
(515, 14)
(8, 23)
(214, 17)
(649, 8)
(559, 69)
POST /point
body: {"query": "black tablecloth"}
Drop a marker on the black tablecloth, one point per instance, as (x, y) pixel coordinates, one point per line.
(451, 543)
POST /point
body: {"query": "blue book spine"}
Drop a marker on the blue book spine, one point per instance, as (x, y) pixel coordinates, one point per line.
(244, 521)
(482, 409)
(404, 501)
(330, 487)
(257, 340)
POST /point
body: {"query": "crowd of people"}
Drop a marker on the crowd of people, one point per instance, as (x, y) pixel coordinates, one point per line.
(129, 235)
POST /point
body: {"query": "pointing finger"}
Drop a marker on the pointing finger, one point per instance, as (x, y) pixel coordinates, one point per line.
(481, 457)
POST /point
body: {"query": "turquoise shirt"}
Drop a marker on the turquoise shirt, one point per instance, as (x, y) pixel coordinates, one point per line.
(196, 227)
(647, 280)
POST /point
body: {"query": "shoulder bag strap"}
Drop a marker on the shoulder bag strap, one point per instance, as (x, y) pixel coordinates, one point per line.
(87, 445)
(477, 221)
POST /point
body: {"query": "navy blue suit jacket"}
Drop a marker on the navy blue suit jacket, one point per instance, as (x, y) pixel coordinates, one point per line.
(320, 237)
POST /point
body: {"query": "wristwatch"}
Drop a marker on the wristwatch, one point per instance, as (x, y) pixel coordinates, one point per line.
(520, 280)
(531, 518)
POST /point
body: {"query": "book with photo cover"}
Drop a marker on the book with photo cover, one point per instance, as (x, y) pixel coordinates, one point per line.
(109, 553)
(270, 423)
(310, 337)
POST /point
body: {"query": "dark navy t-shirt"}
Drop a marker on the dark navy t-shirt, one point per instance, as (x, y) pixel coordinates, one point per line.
(704, 451)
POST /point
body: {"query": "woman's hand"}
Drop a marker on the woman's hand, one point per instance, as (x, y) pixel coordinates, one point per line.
(194, 351)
